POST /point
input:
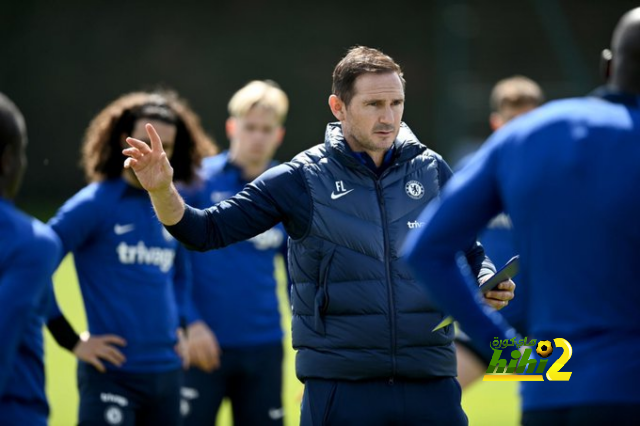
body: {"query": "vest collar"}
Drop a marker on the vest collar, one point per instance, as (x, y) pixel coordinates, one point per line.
(405, 147)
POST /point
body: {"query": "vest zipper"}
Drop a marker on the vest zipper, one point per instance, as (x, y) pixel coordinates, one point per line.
(387, 267)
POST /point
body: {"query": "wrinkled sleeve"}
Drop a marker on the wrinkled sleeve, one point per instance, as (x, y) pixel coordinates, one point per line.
(272, 198)
(76, 220)
(474, 253)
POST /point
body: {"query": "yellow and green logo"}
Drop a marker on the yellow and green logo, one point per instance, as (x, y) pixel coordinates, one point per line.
(521, 368)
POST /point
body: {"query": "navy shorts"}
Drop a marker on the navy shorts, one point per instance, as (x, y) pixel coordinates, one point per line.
(382, 402)
(250, 377)
(128, 399)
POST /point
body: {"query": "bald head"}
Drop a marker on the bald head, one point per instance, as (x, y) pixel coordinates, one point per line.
(12, 144)
(11, 122)
(625, 45)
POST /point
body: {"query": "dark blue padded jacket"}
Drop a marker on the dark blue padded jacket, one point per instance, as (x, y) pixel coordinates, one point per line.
(357, 312)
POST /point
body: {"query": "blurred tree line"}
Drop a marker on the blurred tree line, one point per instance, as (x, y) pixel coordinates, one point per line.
(61, 62)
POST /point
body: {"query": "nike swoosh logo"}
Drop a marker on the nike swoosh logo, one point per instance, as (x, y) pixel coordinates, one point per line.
(276, 413)
(335, 196)
(123, 229)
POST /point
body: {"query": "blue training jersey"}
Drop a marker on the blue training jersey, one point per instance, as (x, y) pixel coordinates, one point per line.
(234, 289)
(133, 275)
(29, 255)
(567, 174)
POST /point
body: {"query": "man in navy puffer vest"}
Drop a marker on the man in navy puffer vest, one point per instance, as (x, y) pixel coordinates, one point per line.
(361, 324)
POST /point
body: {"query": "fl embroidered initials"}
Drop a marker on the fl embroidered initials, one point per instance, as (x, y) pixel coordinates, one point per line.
(340, 190)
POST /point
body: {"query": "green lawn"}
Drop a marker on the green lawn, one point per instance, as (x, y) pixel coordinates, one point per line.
(486, 403)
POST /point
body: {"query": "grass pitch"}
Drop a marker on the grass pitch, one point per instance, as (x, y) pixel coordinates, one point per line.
(486, 403)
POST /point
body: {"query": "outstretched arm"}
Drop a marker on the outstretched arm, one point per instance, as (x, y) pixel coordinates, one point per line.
(155, 174)
(278, 195)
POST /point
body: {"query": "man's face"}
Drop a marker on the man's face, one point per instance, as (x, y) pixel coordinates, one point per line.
(166, 131)
(499, 119)
(371, 121)
(255, 137)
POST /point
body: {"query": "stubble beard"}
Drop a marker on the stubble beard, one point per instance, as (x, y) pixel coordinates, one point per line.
(364, 143)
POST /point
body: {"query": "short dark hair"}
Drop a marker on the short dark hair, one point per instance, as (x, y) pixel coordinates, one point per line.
(360, 60)
(12, 127)
(102, 156)
(515, 92)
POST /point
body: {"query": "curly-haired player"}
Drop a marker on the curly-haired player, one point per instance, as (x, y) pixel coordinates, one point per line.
(132, 274)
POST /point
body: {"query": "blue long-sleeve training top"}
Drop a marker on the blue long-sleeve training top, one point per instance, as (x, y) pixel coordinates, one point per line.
(133, 275)
(234, 290)
(567, 174)
(28, 257)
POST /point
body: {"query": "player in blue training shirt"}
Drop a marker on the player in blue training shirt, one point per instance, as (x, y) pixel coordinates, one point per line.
(133, 275)
(234, 290)
(567, 174)
(510, 98)
(28, 257)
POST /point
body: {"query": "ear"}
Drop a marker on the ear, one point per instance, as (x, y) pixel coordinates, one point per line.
(281, 132)
(230, 127)
(495, 121)
(8, 159)
(338, 108)
(606, 57)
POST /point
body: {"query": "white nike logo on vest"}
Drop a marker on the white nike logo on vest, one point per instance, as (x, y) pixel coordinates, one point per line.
(335, 196)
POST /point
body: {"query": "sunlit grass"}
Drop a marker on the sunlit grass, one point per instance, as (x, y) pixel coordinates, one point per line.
(486, 403)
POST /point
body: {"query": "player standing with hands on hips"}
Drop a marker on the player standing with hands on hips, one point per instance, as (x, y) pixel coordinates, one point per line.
(133, 275)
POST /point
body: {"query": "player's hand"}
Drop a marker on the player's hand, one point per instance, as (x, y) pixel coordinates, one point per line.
(203, 347)
(500, 297)
(95, 349)
(149, 162)
(182, 348)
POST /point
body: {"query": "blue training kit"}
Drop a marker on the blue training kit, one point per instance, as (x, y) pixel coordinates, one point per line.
(29, 255)
(234, 290)
(128, 399)
(234, 293)
(567, 174)
(134, 279)
(250, 376)
(125, 264)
